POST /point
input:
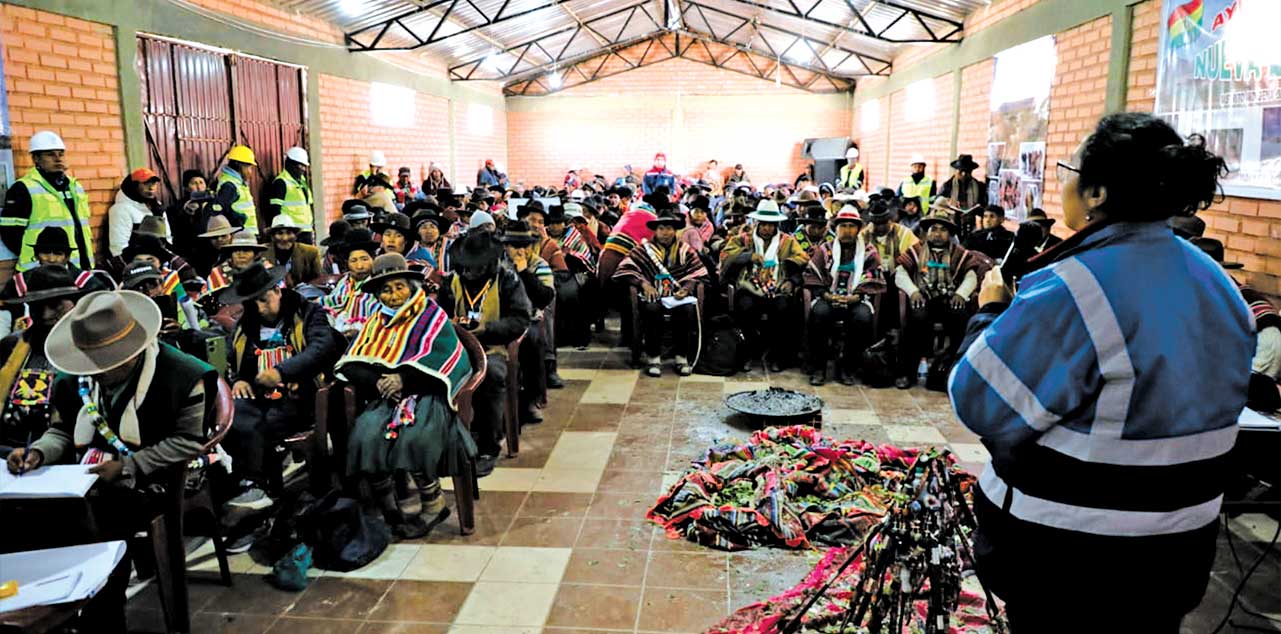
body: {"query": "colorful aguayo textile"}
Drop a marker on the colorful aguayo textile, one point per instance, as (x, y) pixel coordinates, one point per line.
(786, 486)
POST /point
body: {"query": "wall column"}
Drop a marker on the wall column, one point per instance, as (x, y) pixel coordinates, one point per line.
(1119, 58)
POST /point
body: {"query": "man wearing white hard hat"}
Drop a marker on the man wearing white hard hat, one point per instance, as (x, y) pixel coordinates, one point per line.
(918, 185)
(290, 195)
(46, 196)
(851, 172)
(377, 163)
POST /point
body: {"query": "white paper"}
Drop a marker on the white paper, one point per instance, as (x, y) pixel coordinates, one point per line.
(1251, 419)
(58, 575)
(56, 481)
(671, 302)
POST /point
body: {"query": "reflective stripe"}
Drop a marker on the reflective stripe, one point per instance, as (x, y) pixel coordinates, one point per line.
(63, 223)
(10, 221)
(1113, 405)
(1008, 386)
(1146, 452)
(1096, 521)
(35, 188)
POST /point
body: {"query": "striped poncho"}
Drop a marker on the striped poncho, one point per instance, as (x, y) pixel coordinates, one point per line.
(573, 244)
(418, 336)
(666, 270)
(347, 305)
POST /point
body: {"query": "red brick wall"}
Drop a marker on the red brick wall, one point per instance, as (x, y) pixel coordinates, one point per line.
(873, 142)
(60, 74)
(930, 137)
(1077, 99)
(275, 18)
(666, 107)
(472, 145)
(1249, 228)
(347, 136)
(976, 112)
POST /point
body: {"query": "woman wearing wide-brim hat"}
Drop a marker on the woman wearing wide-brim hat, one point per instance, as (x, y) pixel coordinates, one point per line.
(433, 442)
(397, 233)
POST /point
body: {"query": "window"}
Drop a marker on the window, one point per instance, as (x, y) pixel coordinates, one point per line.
(870, 115)
(920, 101)
(391, 106)
(480, 120)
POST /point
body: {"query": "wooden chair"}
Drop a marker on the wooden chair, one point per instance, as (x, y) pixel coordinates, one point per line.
(638, 347)
(466, 485)
(165, 532)
(314, 442)
(511, 411)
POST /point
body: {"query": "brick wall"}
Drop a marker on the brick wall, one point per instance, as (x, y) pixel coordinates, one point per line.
(873, 142)
(976, 112)
(1249, 228)
(929, 136)
(274, 18)
(1077, 99)
(480, 132)
(60, 74)
(348, 135)
(670, 107)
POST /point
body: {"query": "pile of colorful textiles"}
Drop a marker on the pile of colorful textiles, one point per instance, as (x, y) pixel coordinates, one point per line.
(773, 615)
(786, 486)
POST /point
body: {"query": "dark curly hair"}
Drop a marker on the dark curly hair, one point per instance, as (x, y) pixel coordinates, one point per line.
(1150, 172)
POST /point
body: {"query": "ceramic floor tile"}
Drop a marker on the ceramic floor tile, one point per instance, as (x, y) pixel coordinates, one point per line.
(487, 629)
(851, 417)
(582, 450)
(431, 601)
(543, 532)
(915, 434)
(203, 559)
(388, 565)
(971, 453)
(615, 392)
(606, 567)
(527, 565)
(502, 479)
(702, 378)
(402, 627)
(508, 604)
(668, 610)
(731, 386)
(439, 562)
(566, 481)
(576, 374)
(602, 607)
(333, 598)
(291, 625)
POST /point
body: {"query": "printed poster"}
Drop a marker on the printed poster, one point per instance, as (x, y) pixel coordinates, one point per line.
(1020, 110)
(1219, 76)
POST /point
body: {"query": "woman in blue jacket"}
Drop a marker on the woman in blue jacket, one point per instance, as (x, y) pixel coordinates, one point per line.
(1108, 392)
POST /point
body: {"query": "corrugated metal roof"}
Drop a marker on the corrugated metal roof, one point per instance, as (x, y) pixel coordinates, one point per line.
(490, 35)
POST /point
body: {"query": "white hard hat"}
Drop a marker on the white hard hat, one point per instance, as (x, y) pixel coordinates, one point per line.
(46, 140)
(298, 155)
(377, 159)
(577, 194)
(851, 153)
(917, 158)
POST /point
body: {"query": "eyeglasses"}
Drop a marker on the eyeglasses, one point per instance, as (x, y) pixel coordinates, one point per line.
(1062, 169)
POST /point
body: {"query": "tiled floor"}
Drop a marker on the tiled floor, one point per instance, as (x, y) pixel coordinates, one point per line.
(562, 546)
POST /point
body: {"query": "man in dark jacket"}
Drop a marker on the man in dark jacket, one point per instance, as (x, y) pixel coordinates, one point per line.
(540, 286)
(281, 348)
(993, 240)
(488, 299)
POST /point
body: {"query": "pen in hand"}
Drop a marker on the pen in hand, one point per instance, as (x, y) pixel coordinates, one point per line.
(25, 452)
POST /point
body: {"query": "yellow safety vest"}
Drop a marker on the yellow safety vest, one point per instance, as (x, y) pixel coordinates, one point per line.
(296, 205)
(244, 203)
(49, 208)
(920, 190)
(850, 175)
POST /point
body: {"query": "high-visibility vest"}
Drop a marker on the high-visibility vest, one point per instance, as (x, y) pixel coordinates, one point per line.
(920, 190)
(296, 205)
(851, 176)
(244, 203)
(52, 208)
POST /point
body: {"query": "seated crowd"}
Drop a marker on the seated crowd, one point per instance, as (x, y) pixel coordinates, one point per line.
(100, 353)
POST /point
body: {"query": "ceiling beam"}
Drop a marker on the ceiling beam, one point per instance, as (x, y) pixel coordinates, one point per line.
(356, 45)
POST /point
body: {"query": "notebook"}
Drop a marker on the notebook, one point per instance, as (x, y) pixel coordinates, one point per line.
(59, 575)
(56, 481)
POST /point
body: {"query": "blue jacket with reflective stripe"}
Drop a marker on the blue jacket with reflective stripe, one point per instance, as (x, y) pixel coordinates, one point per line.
(1127, 360)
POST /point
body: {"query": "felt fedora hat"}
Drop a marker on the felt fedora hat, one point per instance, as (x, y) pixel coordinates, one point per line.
(518, 234)
(937, 218)
(283, 223)
(395, 220)
(218, 225)
(242, 241)
(254, 281)
(669, 218)
(476, 249)
(52, 239)
(104, 331)
(47, 282)
(812, 212)
(964, 162)
(356, 240)
(388, 267)
(1214, 249)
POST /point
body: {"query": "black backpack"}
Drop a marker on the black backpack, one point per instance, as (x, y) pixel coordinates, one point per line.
(880, 364)
(342, 536)
(940, 369)
(720, 347)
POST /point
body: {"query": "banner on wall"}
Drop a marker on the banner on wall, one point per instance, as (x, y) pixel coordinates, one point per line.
(1219, 75)
(1020, 109)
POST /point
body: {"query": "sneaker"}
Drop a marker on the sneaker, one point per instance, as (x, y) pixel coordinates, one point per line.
(846, 377)
(242, 537)
(531, 416)
(653, 366)
(292, 467)
(818, 377)
(485, 464)
(902, 383)
(554, 382)
(682, 366)
(253, 498)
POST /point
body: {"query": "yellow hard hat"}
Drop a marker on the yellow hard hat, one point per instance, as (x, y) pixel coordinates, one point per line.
(242, 154)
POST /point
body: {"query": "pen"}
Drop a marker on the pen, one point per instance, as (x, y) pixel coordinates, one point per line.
(22, 468)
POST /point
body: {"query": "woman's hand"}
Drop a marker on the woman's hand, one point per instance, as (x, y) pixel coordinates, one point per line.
(648, 292)
(958, 302)
(390, 385)
(242, 389)
(917, 300)
(994, 289)
(681, 294)
(108, 471)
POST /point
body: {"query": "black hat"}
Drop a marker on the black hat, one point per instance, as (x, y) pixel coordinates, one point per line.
(658, 199)
(812, 214)
(965, 162)
(1214, 249)
(701, 202)
(395, 220)
(143, 244)
(52, 239)
(337, 231)
(388, 267)
(881, 209)
(415, 206)
(518, 234)
(138, 272)
(428, 213)
(356, 239)
(556, 215)
(476, 249)
(667, 217)
(254, 281)
(1038, 216)
(47, 282)
(531, 207)
(1186, 227)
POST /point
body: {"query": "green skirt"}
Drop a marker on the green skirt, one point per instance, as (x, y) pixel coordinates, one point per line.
(436, 444)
